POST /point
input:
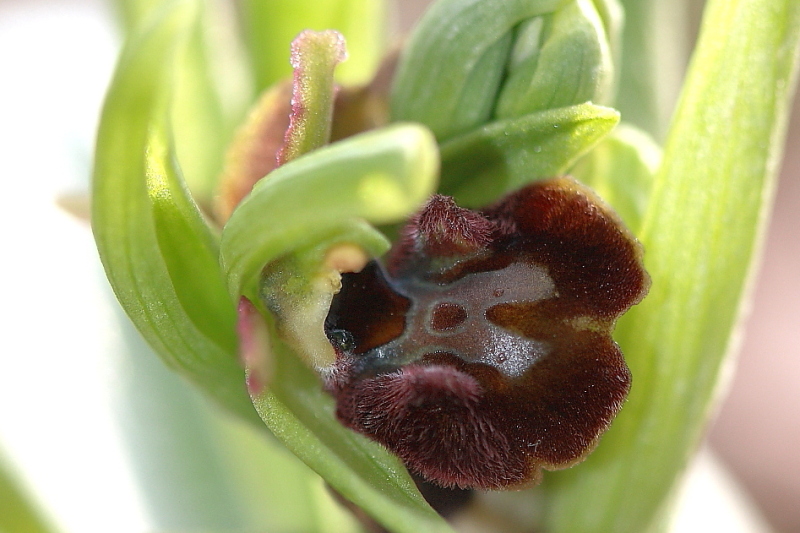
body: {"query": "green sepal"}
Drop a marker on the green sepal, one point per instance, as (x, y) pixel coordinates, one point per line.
(451, 70)
(157, 249)
(497, 158)
(558, 60)
(381, 176)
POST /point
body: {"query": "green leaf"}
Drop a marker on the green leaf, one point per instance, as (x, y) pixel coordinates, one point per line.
(621, 170)
(19, 513)
(381, 176)
(701, 232)
(501, 156)
(462, 48)
(135, 12)
(613, 18)
(201, 129)
(269, 27)
(158, 252)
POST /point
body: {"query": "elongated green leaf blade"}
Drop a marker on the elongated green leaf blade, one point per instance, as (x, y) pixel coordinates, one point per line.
(501, 156)
(701, 233)
(158, 252)
(133, 12)
(656, 48)
(199, 469)
(208, 92)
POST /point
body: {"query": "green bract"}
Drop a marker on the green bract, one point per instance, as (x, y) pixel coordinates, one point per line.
(511, 90)
(482, 165)
(487, 59)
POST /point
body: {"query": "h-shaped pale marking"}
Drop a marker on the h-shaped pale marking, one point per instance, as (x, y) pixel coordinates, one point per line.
(475, 339)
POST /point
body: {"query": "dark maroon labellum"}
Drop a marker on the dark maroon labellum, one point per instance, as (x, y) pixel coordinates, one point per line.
(481, 351)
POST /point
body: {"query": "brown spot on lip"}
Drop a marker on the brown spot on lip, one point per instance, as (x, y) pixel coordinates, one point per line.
(447, 316)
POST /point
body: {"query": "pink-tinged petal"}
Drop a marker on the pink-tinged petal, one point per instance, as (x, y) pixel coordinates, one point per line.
(482, 353)
(290, 117)
(314, 58)
(288, 120)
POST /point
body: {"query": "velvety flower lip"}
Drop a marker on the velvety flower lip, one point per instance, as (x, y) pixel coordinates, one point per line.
(481, 351)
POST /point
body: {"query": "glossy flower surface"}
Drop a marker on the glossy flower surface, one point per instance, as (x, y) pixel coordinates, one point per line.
(480, 351)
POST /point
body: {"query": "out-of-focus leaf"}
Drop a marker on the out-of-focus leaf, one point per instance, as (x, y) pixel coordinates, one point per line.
(199, 469)
(701, 232)
(560, 60)
(501, 156)
(655, 51)
(621, 170)
(158, 252)
(613, 16)
(18, 514)
(134, 12)
(270, 26)
(462, 48)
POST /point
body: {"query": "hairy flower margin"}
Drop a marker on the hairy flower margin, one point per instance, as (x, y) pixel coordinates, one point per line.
(471, 86)
(482, 351)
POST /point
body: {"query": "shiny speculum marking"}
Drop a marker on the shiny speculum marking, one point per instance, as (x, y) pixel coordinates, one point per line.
(452, 318)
